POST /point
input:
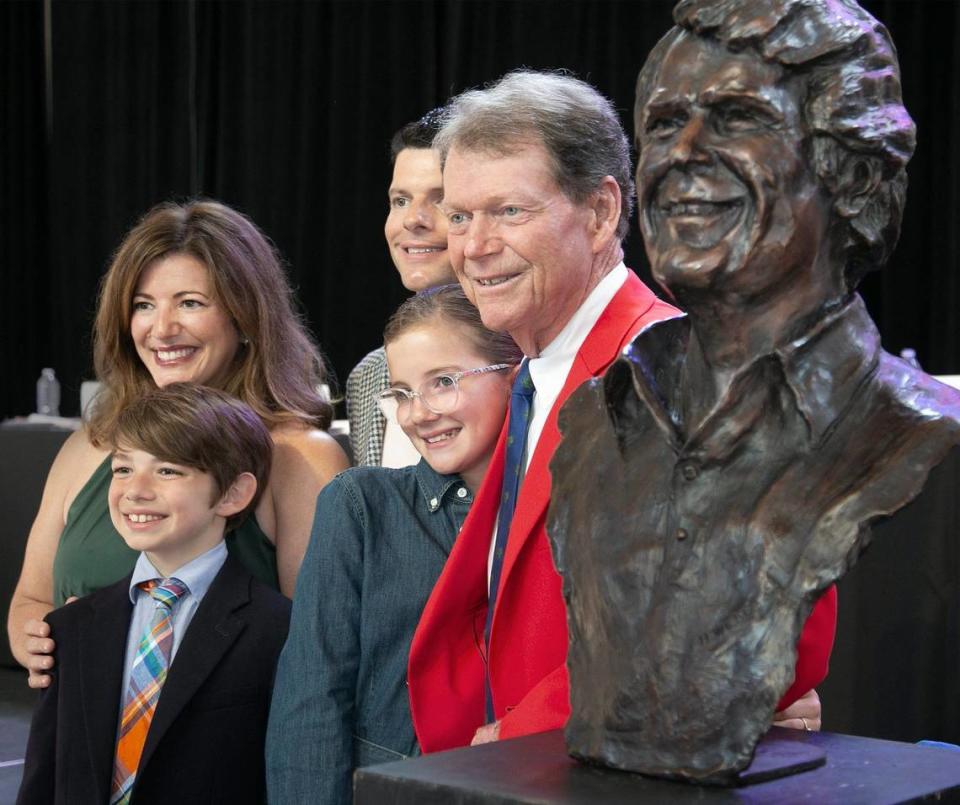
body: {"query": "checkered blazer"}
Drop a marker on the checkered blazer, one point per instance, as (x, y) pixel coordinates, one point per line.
(367, 424)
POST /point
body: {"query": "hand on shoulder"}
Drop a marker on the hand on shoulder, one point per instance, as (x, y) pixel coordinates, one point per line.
(33, 598)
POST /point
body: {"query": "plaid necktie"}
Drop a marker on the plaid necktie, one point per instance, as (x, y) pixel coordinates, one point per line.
(147, 676)
(521, 401)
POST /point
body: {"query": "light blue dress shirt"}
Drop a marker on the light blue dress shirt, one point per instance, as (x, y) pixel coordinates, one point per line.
(197, 574)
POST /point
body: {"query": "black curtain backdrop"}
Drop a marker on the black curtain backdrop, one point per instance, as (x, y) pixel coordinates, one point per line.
(285, 109)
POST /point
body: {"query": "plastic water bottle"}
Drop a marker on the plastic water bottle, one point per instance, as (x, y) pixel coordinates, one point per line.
(48, 393)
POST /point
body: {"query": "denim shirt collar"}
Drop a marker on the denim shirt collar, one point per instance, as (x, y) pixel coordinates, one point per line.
(436, 487)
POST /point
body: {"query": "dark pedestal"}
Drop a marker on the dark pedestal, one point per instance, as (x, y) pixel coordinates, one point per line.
(537, 769)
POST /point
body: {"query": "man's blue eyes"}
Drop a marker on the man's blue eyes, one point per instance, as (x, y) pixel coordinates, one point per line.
(460, 218)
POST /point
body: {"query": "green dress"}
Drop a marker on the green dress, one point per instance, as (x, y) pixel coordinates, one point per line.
(91, 553)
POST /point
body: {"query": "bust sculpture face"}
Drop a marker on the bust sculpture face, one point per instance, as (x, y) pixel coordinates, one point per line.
(728, 201)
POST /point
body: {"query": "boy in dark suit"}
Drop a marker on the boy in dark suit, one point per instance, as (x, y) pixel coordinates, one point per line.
(162, 682)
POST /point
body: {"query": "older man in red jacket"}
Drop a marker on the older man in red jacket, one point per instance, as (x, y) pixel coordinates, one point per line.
(538, 195)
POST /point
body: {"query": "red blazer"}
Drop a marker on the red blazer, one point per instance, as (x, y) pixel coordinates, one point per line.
(528, 637)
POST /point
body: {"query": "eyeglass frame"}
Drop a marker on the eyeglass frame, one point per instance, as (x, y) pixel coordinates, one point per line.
(389, 395)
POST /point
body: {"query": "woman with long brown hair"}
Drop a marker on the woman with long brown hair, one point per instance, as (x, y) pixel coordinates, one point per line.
(195, 293)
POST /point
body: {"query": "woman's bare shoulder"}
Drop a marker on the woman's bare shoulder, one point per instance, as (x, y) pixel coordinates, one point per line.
(301, 436)
(74, 465)
(295, 443)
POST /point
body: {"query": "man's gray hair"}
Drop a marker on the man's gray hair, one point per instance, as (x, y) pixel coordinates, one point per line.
(578, 127)
(852, 107)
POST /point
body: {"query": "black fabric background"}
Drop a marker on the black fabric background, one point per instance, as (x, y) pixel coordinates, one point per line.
(895, 668)
(284, 110)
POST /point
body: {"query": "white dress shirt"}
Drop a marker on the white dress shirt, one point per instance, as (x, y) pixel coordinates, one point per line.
(549, 371)
(398, 450)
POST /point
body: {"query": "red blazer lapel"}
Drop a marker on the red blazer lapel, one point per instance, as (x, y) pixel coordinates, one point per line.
(613, 331)
(446, 668)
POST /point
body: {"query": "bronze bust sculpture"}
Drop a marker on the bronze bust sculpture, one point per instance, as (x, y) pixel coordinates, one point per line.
(725, 471)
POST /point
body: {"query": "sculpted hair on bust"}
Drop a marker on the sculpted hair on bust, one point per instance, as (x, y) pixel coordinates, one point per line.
(202, 428)
(418, 134)
(578, 127)
(278, 368)
(859, 130)
(448, 303)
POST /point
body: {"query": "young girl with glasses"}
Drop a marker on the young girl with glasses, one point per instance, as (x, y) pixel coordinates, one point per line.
(380, 539)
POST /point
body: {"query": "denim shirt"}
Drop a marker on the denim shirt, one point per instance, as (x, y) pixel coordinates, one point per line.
(379, 541)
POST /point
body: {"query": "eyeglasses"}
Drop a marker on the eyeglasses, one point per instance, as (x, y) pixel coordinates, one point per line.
(439, 394)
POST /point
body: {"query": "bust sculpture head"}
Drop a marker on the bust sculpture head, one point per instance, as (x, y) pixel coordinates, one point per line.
(772, 140)
(712, 486)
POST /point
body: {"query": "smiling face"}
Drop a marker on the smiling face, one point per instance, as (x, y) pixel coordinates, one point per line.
(166, 509)
(178, 327)
(523, 252)
(462, 441)
(415, 229)
(727, 198)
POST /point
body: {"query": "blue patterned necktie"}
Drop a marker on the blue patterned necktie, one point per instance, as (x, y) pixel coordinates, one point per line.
(147, 676)
(521, 401)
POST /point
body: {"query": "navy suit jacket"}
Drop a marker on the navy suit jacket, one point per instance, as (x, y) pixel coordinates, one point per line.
(205, 744)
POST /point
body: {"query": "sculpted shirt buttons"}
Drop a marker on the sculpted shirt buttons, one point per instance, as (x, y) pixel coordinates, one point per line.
(433, 504)
(690, 471)
(462, 492)
(682, 533)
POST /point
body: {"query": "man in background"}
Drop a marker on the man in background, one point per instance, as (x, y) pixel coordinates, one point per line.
(416, 233)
